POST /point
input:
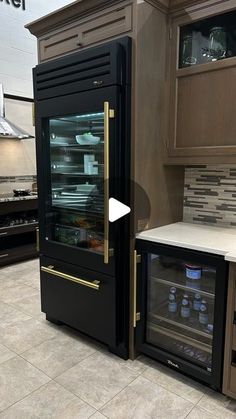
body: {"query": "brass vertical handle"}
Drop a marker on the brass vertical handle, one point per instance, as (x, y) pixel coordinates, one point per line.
(37, 239)
(135, 290)
(136, 316)
(108, 113)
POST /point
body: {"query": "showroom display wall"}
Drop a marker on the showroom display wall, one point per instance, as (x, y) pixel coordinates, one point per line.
(17, 47)
(18, 55)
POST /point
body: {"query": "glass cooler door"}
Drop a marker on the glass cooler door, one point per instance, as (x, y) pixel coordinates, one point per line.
(180, 308)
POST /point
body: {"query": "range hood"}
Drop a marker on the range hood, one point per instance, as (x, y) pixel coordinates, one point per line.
(8, 130)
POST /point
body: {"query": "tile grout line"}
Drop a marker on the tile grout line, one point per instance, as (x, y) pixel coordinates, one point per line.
(171, 391)
(102, 407)
(4, 410)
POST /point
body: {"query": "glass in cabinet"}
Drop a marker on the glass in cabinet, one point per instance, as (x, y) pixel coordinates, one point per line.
(208, 40)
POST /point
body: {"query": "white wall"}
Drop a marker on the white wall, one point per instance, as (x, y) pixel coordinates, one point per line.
(18, 52)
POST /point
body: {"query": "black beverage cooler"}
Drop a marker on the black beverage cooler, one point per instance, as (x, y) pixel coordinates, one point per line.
(182, 305)
(83, 158)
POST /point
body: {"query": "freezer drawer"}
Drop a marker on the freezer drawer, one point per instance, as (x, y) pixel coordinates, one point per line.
(82, 299)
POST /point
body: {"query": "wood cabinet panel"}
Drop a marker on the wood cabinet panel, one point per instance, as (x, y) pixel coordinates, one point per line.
(108, 25)
(229, 373)
(206, 111)
(233, 379)
(103, 26)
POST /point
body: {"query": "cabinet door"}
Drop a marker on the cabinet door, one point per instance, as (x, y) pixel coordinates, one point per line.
(98, 27)
(202, 86)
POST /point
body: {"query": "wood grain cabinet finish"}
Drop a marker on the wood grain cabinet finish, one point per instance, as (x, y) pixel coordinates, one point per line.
(229, 376)
(94, 29)
(202, 99)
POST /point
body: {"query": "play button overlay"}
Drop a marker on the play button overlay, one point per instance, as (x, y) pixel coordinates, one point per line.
(117, 210)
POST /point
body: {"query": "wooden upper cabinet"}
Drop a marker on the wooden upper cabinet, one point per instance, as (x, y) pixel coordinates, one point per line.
(202, 117)
(96, 28)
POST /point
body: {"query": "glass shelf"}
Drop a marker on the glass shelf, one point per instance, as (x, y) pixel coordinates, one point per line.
(183, 287)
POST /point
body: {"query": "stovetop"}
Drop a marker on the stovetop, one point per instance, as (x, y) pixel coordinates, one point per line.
(10, 197)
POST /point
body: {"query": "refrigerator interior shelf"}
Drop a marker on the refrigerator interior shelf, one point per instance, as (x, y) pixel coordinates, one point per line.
(181, 325)
(177, 336)
(78, 148)
(76, 174)
(182, 287)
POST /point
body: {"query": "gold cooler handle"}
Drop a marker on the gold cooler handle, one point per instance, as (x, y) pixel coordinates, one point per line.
(108, 113)
(135, 289)
(50, 270)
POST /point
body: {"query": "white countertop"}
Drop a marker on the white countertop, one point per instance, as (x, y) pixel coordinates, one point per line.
(217, 240)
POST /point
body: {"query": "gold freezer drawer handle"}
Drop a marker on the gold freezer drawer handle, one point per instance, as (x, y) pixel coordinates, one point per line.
(90, 284)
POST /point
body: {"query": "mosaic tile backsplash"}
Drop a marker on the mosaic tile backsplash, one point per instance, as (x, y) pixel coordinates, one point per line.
(210, 195)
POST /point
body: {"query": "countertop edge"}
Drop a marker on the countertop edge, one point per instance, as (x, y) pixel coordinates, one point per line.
(157, 235)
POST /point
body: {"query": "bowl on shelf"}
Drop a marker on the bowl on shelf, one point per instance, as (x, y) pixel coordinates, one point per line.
(87, 139)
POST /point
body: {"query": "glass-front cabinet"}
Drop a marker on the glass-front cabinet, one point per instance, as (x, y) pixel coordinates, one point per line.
(183, 308)
(202, 85)
(208, 40)
(77, 181)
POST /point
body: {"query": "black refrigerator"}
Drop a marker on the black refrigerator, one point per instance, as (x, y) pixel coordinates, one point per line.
(181, 301)
(82, 104)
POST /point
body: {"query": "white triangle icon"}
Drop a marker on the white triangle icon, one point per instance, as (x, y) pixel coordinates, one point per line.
(117, 210)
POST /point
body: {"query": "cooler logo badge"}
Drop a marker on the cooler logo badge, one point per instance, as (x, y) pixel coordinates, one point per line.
(172, 363)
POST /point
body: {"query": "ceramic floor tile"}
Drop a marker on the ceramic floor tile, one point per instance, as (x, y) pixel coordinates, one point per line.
(18, 379)
(218, 405)
(143, 399)
(30, 305)
(10, 315)
(16, 292)
(96, 415)
(49, 402)
(175, 382)
(5, 354)
(97, 379)
(58, 354)
(31, 280)
(21, 336)
(198, 413)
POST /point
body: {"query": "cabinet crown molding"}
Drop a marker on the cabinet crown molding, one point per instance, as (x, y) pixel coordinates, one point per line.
(67, 14)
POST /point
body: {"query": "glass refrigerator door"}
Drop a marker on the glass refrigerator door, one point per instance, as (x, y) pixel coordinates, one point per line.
(78, 196)
(180, 309)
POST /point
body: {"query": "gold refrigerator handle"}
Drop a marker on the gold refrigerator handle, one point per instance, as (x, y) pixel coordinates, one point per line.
(90, 284)
(108, 113)
(135, 290)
